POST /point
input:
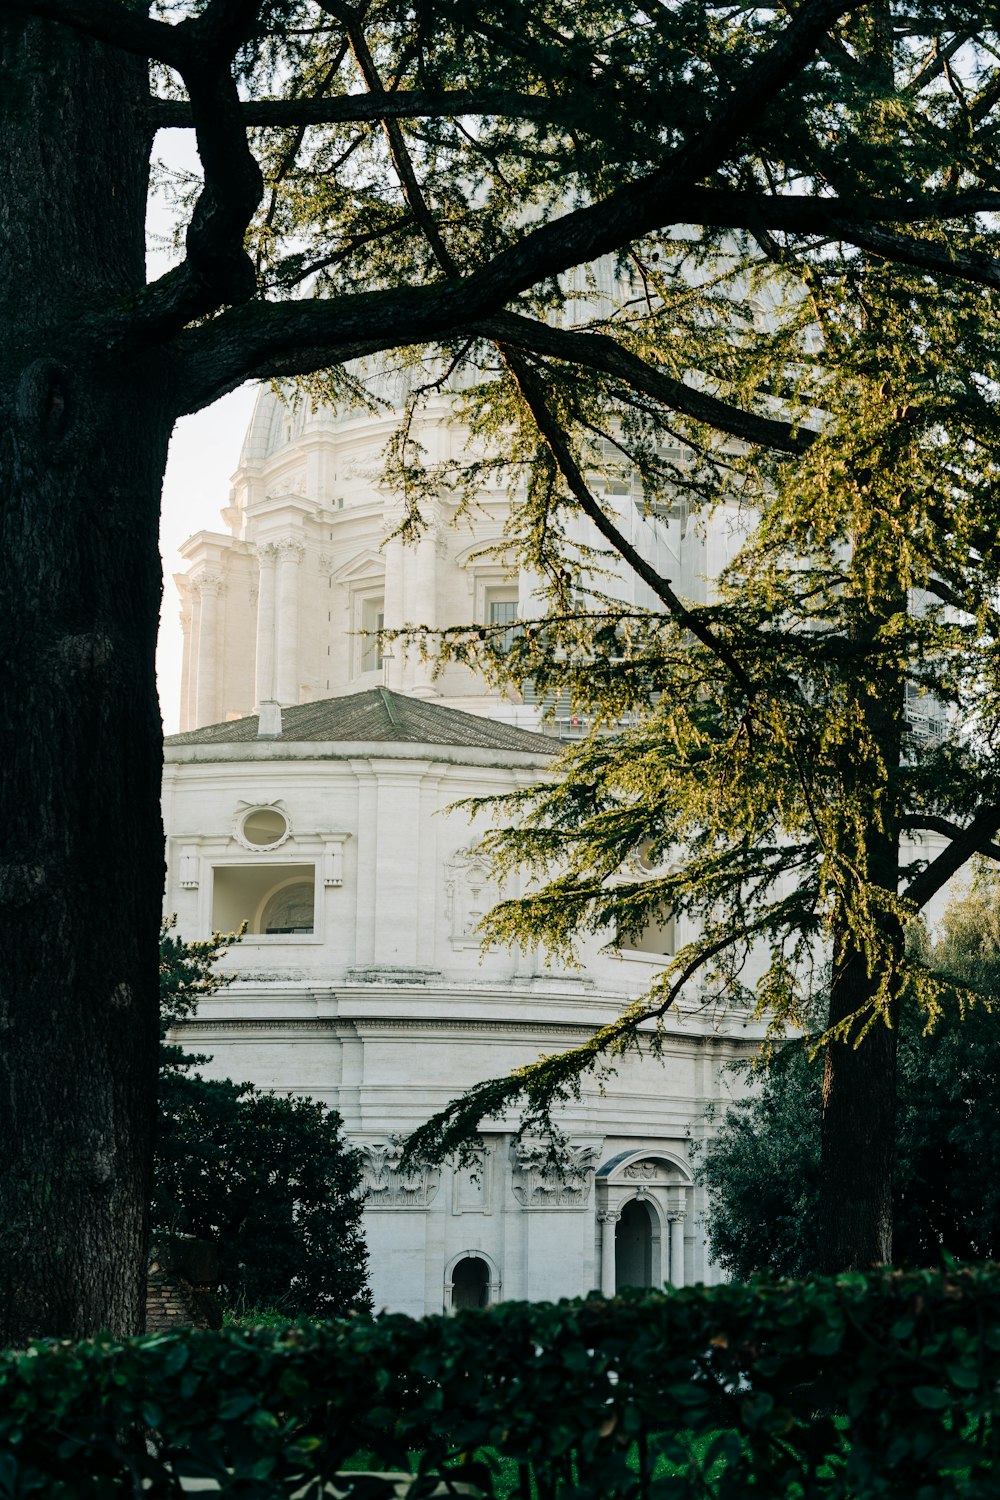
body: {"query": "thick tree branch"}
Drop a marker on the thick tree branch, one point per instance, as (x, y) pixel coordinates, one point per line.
(591, 232)
(217, 270)
(221, 29)
(931, 823)
(967, 842)
(287, 340)
(600, 352)
(107, 21)
(925, 255)
(807, 214)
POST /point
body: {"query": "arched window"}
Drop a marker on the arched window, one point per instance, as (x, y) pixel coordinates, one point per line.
(470, 1283)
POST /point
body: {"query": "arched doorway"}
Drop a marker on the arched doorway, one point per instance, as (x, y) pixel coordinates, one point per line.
(635, 1234)
(470, 1283)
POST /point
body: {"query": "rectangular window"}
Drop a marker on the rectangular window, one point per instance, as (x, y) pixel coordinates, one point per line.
(501, 609)
(274, 900)
(372, 619)
(658, 938)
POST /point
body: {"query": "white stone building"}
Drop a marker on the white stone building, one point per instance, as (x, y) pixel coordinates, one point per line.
(311, 795)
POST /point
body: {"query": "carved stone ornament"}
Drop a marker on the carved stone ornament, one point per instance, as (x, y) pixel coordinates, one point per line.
(243, 807)
(209, 581)
(541, 1182)
(293, 484)
(470, 892)
(290, 549)
(387, 1184)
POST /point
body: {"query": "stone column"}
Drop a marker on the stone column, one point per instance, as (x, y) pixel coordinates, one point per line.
(608, 1219)
(187, 665)
(393, 613)
(191, 701)
(209, 586)
(425, 606)
(286, 674)
(265, 626)
(676, 1248)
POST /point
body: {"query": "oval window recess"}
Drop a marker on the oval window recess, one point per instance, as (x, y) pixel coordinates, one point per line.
(265, 827)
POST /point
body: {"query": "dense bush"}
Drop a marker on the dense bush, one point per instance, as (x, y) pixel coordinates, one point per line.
(270, 1180)
(762, 1166)
(883, 1385)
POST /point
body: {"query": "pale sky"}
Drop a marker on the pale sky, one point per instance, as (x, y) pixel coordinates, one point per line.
(204, 450)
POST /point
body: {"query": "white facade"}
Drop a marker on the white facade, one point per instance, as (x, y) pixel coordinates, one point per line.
(361, 980)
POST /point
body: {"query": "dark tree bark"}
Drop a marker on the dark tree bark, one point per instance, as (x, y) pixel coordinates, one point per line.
(858, 1131)
(83, 439)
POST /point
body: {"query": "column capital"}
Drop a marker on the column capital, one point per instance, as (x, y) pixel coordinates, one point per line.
(208, 582)
(609, 1215)
(290, 549)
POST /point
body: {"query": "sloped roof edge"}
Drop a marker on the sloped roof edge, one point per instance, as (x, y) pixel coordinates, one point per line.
(377, 715)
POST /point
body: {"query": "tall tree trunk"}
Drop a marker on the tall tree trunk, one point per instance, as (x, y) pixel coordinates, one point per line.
(83, 440)
(858, 1128)
(859, 1081)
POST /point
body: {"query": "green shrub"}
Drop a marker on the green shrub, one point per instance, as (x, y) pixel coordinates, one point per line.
(885, 1385)
(271, 1181)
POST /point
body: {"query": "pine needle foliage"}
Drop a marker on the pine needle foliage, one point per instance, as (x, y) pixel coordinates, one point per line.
(781, 749)
(806, 355)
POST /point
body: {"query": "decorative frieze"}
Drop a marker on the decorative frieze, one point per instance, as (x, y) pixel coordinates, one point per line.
(387, 1183)
(544, 1178)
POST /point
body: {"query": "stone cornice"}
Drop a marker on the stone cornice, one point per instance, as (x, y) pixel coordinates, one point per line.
(526, 1028)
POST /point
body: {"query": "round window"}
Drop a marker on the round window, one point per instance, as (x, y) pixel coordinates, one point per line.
(265, 827)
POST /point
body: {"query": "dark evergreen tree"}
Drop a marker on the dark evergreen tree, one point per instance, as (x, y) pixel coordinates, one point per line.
(435, 174)
(269, 1179)
(762, 1168)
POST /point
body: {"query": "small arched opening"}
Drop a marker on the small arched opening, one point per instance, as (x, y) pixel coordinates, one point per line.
(636, 1245)
(470, 1283)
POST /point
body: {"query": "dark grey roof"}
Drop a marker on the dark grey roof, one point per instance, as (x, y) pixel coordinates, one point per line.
(377, 715)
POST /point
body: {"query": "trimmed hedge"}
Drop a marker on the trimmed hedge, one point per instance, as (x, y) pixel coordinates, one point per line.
(860, 1386)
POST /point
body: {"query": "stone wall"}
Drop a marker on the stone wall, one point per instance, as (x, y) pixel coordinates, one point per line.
(180, 1286)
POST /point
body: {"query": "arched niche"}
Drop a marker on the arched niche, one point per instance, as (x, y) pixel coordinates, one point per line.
(471, 1280)
(637, 1245)
(646, 1186)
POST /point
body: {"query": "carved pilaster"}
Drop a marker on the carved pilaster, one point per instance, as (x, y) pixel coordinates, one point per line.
(608, 1218)
(290, 553)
